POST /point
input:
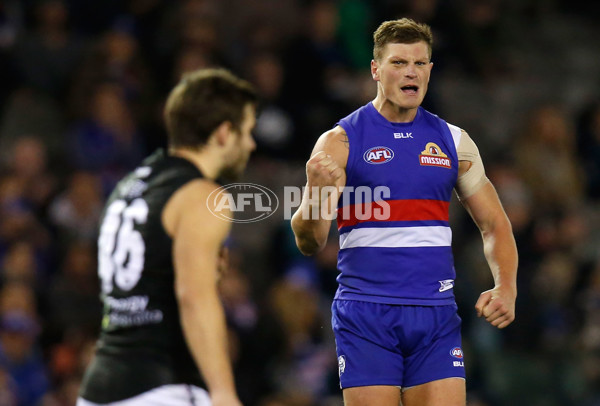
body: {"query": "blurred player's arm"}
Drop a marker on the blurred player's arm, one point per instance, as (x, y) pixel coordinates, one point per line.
(326, 167)
(198, 237)
(479, 197)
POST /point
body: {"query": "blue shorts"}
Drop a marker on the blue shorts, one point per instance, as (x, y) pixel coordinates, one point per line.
(396, 345)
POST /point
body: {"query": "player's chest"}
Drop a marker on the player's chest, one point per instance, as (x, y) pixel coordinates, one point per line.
(415, 159)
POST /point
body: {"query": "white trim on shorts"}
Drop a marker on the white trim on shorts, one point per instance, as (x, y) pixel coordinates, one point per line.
(167, 395)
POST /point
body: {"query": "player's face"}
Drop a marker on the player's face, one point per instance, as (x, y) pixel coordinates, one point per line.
(241, 144)
(403, 73)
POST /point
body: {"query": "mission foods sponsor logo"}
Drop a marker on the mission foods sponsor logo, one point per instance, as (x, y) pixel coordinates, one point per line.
(433, 156)
(243, 202)
(378, 155)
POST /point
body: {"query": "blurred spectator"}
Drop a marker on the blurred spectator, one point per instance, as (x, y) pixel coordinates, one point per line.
(259, 36)
(28, 162)
(76, 211)
(65, 395)
(187, 27)
(115, 58)
(480, 35)
(546, 157)
(554, 282)
(8, 390)
(16, 296)
(20, 265)
(73, 294)
(31, 113)
(11, 23)
(187, 60)
(274, 131)
(235, 293)
(18, 221)
(47, 56)
(309, 358)
(21, 356)
(316, 77)
(107, 141)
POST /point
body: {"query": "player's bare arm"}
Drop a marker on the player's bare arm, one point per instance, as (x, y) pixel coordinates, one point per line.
(198, 234)
(326, 167)
(480, 199)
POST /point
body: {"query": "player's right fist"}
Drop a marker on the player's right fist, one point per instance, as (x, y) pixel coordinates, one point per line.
(322, 170)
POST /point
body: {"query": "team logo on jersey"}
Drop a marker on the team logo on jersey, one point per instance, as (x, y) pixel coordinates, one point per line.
(433, 156)
(341, 364)
(378, 155)
(456, 352)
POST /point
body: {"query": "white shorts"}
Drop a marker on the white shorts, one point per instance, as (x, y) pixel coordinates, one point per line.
(168, 395)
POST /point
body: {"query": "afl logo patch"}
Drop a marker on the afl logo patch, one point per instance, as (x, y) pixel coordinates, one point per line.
(456, 352)
(433, 156)
(378, 155)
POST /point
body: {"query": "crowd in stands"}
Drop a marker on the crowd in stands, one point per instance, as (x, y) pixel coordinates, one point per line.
(82, 86)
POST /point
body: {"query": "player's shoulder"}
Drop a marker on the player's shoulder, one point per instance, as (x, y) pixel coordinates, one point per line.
(191, 200)
(196, 190)
(335, 134)
(335, 143)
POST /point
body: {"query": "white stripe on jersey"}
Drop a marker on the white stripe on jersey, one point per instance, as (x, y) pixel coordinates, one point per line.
(397, 237)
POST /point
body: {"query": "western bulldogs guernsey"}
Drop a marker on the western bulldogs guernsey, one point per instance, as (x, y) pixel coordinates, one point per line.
(397, 250)
(141, 344)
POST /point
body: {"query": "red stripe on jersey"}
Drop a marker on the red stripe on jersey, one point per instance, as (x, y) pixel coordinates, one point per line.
(399, 210)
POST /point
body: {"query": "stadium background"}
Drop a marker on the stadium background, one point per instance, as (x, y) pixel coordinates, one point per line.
(81, 90)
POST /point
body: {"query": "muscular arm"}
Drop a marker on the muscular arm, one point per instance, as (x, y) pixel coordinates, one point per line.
(498, 304)
(326, 167)
(197, 239)
(480, 199)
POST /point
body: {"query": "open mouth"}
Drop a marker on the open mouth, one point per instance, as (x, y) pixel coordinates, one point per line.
(410, 89)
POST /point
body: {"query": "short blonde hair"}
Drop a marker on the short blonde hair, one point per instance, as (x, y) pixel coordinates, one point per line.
(402, 31)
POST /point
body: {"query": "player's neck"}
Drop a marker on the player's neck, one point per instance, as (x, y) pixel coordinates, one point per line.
(393, 112)
(202, 159)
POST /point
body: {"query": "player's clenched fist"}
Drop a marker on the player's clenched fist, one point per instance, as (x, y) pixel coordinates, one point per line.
(322, 170)
(497, 306)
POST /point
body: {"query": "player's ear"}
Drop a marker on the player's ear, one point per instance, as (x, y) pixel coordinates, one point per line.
(374, 70)
(222, 133)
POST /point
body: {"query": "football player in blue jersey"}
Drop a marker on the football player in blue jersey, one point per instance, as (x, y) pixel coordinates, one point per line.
(395, 319)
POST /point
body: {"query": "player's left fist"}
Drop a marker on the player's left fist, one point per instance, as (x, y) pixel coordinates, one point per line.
(497, 306)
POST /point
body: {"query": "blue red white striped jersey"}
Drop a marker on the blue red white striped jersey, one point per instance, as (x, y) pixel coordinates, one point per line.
(403, 256)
